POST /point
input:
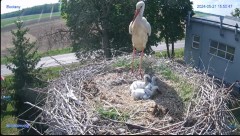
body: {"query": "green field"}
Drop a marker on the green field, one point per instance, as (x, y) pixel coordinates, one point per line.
(9, 21)
(179, 53)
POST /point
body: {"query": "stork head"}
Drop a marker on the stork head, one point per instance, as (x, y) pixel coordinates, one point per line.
(154, 80)
(147, 78)
(139, 8)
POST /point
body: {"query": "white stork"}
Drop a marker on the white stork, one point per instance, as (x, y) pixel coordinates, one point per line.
(140, 84)
(144, 94)
(140, 29)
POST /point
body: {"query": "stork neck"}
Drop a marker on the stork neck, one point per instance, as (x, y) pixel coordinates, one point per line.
(140, 15)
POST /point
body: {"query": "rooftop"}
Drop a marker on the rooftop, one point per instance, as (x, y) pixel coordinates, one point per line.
(228, 21)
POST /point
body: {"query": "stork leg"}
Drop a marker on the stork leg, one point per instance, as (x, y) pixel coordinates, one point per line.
(134, 50)
(140, 64)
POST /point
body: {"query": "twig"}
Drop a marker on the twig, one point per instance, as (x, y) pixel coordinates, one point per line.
(34, 128)
(141, 133)
(138, 126)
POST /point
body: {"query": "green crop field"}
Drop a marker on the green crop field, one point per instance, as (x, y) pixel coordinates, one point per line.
(9, 21)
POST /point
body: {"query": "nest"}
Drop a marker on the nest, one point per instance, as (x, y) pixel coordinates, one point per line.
(95, 99)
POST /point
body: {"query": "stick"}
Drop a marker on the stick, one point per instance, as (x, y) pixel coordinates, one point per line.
(141, 133)
(33, 128)
(153, 129)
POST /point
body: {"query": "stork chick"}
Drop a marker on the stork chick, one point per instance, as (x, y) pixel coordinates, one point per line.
(139, 94)
(140, 84)
(152, 83)
(151, 92)
(143, 94)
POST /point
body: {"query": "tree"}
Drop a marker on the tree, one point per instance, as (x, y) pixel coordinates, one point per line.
(236, 12)
(99, 24)
(24, 59)
(104, 24)
(167, 16)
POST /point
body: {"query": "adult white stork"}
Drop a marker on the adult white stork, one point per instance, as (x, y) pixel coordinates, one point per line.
(140, 29)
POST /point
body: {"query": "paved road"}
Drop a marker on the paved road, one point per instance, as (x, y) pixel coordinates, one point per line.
(47, 62)
(71, 58)
(162, 46)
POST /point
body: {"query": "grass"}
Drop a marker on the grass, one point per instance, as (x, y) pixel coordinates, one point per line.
(4, 60)
(44, 54)
(56, 52)
(127, 63)
(9, 21)
(52, 72)
(112, 114)
(8, 117)
(168, 74)
(185, 89)
(123, 62)
(49, 74)
(179, 53)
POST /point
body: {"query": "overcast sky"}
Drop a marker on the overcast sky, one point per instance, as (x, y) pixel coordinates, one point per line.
(232, 4)
(23, 4)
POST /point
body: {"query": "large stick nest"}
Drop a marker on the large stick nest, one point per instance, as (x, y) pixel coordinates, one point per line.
(103, 104)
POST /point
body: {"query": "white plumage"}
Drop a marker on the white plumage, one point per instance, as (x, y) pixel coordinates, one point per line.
(140, 84)
(140, 29)
(144, 90)
(139, 94)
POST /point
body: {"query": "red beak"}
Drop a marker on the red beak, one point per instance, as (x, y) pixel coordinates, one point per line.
(2, 78)
(136, 13)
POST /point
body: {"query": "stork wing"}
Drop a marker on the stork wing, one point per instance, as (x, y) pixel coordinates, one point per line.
(147, 25)
(149, 29)
(130, 28)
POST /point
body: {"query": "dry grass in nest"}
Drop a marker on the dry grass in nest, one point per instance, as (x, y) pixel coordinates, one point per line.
(103, 104)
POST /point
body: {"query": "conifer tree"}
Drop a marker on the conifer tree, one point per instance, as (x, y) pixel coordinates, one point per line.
(23, 60)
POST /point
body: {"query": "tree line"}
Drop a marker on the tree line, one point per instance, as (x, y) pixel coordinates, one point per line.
(46, 8)
(104, 24)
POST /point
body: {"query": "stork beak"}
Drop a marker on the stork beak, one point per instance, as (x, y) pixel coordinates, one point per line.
(136, 13)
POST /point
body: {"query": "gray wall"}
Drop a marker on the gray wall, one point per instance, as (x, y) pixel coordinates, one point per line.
(216, 64)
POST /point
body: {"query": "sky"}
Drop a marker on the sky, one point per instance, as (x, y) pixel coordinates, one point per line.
(231, 5)
(23, 4)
